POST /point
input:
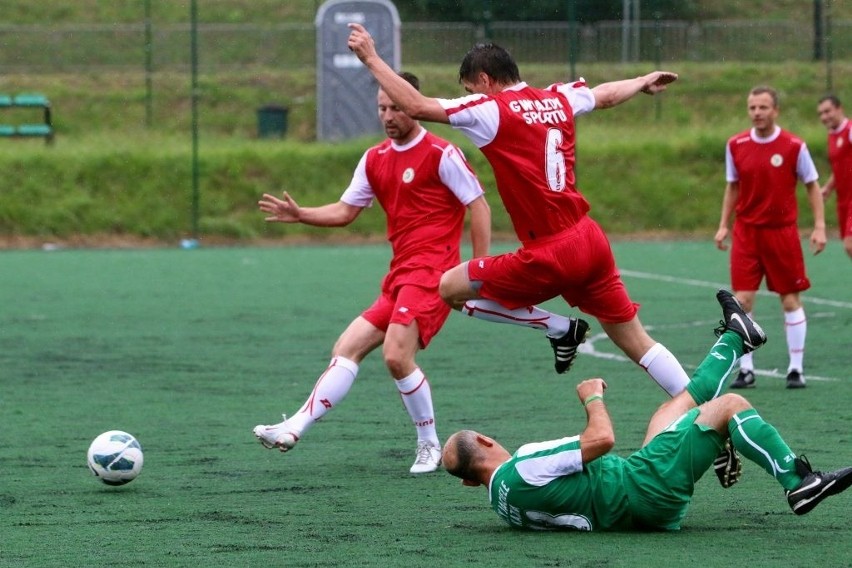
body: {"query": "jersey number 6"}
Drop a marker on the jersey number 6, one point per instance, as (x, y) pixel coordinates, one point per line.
(555, 160)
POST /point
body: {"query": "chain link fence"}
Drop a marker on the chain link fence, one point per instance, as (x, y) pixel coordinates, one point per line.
(49, 49)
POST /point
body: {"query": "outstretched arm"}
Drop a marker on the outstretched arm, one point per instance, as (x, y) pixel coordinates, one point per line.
(598, 438)
(286, 210)
(405, 96)
(616, 92)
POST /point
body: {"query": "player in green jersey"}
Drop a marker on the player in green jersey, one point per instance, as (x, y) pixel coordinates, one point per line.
(575, 483)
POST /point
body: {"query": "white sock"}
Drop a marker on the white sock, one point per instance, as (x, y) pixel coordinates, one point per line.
(796, 326)
(331, 388)
(417, 397)
(554, 324)
(665, 369)
(747, 360)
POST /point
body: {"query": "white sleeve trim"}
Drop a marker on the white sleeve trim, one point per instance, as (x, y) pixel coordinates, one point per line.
(805, 168)
(731, 173)
(541, 470)
(457, 176)
(476, 120)
(581, 98)
(360, 192)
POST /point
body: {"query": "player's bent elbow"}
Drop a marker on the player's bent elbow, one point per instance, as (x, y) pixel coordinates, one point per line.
(607, 443)
(594, 446)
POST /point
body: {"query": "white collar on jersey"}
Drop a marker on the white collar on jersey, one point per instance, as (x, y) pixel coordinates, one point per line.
(404, 147)
(517, 86)
(841, 126)
(768, 139)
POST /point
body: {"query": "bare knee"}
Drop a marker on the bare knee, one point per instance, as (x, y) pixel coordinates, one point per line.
(630, 337)
(734, 403)
(445, 290)
(746, 300)
(399, 364)
(454, 287)
(791, 302)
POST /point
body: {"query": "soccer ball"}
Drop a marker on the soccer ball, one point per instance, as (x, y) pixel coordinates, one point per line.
(115, 457)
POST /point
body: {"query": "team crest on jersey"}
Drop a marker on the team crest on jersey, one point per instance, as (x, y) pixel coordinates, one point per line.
(839, 142)
(408, 175)
(776, 160)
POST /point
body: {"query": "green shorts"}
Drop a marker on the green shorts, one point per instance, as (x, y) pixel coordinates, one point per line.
(660, 478)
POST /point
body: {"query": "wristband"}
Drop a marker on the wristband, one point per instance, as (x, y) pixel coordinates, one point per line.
(592, 398)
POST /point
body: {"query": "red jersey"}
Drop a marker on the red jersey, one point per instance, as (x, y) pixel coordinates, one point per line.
(424, 188)
(768, 171)
(840, 157)
(527, 135)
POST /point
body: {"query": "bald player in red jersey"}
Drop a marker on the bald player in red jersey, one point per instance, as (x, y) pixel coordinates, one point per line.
(424, 185)
(527, 135)
(763, 168)
(839, 127)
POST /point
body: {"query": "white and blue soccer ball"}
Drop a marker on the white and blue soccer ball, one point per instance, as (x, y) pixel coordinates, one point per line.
(115, 457)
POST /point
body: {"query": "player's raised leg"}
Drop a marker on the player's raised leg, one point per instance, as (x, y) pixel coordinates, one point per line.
(738, 334)
(564, 333)
(761, 443)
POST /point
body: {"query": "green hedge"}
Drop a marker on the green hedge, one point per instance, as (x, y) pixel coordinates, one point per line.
(648, 165)
(634, 186)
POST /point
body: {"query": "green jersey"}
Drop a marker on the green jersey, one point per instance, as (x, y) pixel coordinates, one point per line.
(545, 485)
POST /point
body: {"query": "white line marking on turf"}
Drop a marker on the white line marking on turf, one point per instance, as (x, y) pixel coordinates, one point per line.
(707, 284)
(588, 348)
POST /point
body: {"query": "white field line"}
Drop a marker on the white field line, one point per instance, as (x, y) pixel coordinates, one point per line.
(806, 298)
(588, 348)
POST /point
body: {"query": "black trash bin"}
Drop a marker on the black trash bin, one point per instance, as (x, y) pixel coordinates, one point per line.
(272, 121)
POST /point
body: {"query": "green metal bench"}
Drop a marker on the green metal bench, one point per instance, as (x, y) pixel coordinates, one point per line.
(28, 100)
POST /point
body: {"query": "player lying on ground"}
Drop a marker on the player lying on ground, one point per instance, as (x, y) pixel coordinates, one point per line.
(575, 483)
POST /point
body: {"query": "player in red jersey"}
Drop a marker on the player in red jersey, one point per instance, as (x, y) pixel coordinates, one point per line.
(763, 166)
(527, 135)
(424, 184)
(840, 157)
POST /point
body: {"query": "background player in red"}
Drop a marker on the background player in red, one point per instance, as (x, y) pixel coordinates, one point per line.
(840, 157)
(527, 135)
(424, 184)
(763, 167)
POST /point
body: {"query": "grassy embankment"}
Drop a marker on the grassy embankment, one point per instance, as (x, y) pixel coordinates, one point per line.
(645, 166)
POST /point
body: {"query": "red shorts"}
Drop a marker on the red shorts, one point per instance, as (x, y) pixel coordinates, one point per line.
(576, 264)
(409, 303)
(774, 252)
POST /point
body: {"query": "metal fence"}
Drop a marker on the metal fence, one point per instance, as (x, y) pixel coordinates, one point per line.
(46, 49)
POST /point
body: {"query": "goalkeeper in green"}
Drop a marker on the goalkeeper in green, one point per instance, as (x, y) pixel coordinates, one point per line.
(575, 483)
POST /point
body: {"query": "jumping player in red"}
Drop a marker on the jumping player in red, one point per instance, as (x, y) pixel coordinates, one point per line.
(527, 135)
(840, 156)
(424, 184)
(763, 167)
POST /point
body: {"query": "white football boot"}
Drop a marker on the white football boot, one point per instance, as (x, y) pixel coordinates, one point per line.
(279, 435)
(428, 458)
